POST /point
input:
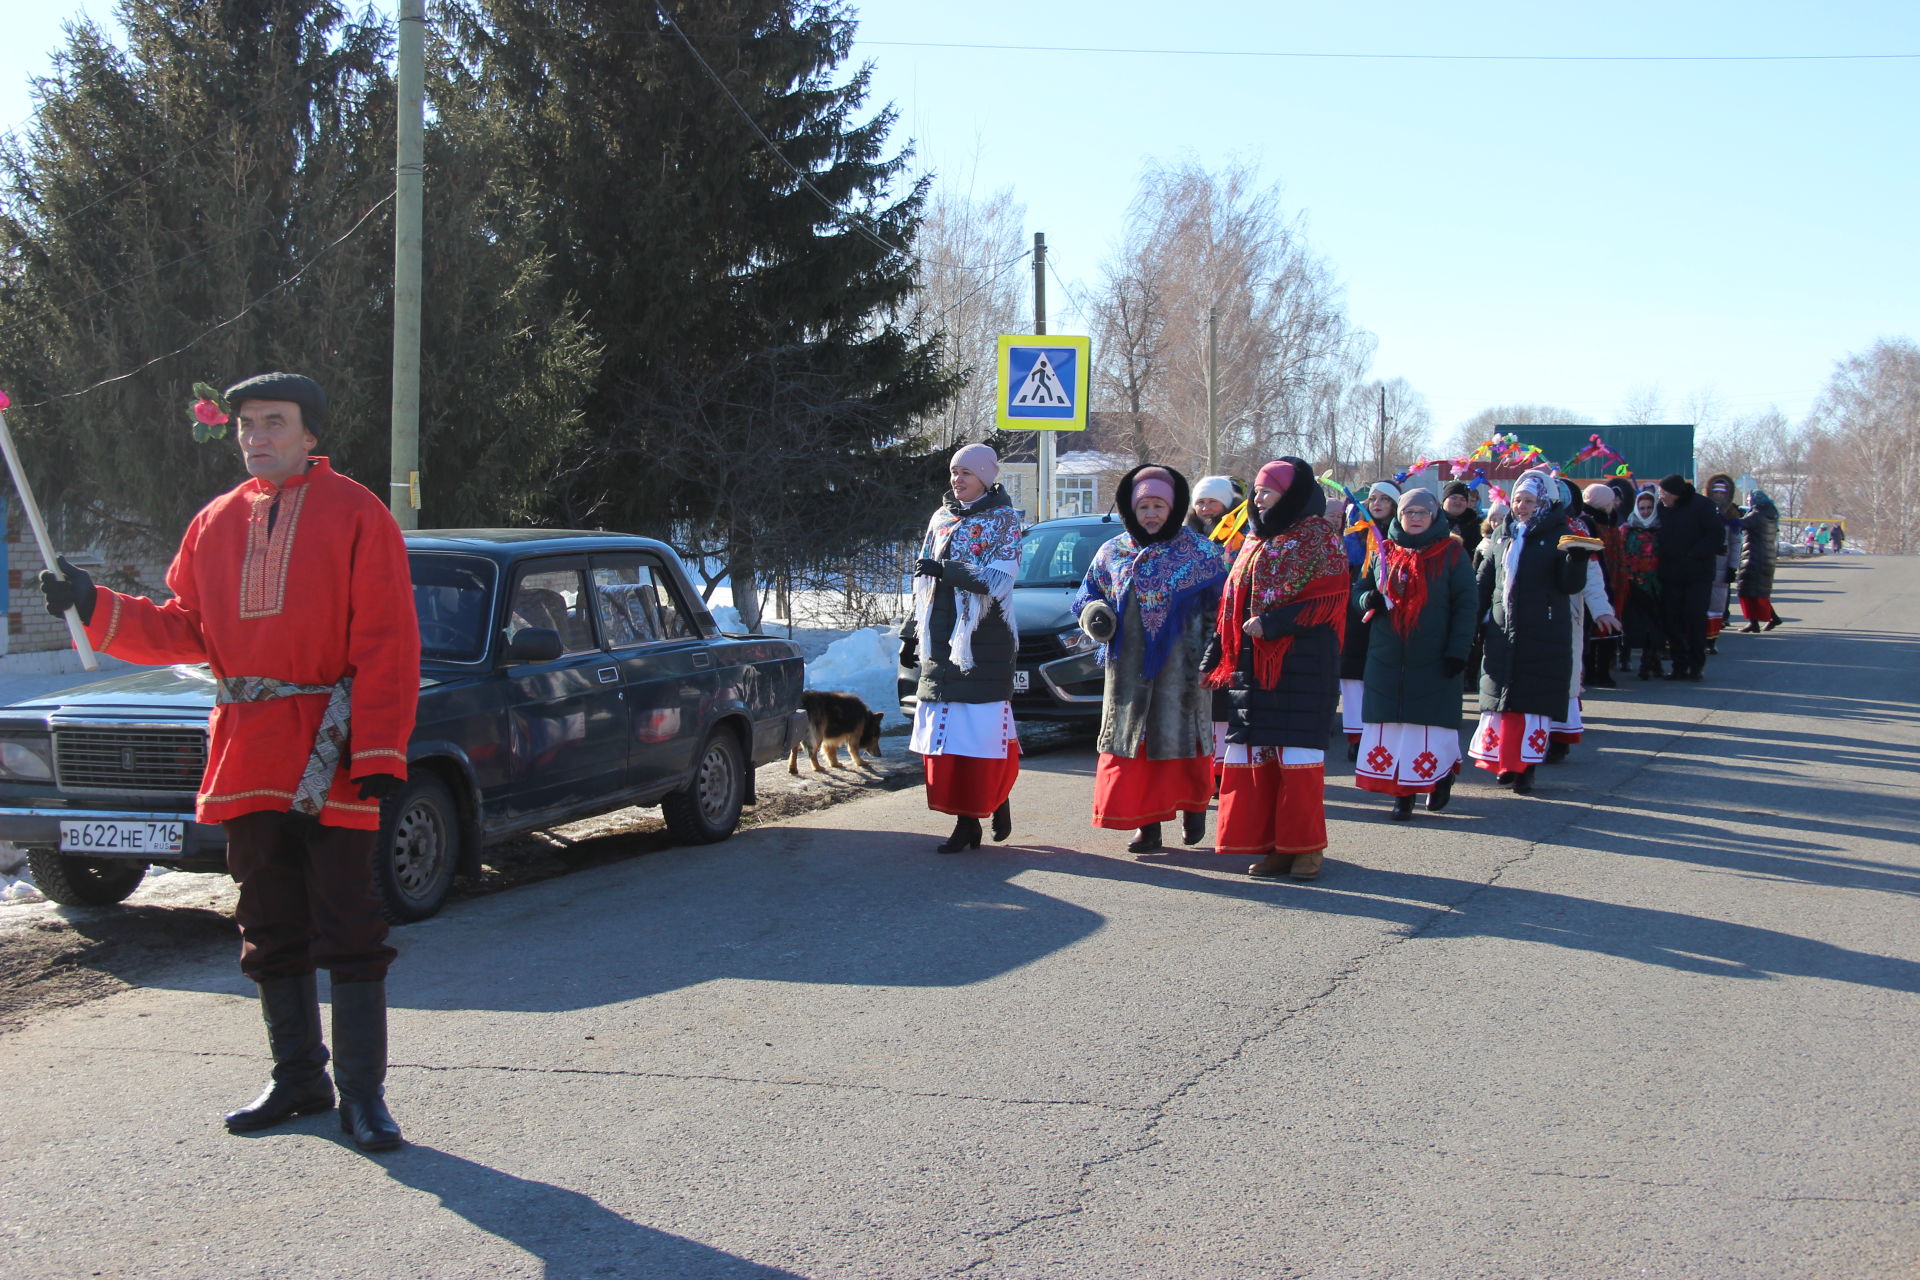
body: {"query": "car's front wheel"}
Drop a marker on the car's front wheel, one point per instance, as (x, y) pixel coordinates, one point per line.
(83, 882)
(708, 809)
(419, 849)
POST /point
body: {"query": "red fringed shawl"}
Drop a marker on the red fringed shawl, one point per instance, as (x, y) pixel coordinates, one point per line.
(1304, 565)
(1406, 574)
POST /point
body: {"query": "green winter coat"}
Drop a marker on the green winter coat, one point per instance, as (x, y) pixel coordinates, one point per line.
(1405, 680)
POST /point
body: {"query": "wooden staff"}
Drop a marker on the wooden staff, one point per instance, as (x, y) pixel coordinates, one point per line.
(74, 626)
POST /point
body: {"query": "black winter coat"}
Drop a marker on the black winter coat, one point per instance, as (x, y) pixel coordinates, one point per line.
(1760, 549)
(1691, 535)
(991, 679)
(1406, 682)
(1466, 527)
(1528, 663)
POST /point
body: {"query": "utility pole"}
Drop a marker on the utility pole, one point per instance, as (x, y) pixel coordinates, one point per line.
(1043, 508)
(1380, 454)
(403, 490)
(1213, 383)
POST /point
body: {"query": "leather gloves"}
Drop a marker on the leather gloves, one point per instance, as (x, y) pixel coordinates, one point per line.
(75, 592)
(928, 567)
(1452, 666)
(378, 786)
(1372, 601)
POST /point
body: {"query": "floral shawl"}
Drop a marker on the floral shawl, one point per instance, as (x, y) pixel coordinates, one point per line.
(1305, 563)
(985, 535)
(1405, 574)
(1166, 579)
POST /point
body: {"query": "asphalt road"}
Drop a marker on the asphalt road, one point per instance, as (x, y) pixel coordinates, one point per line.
(1657, 1020)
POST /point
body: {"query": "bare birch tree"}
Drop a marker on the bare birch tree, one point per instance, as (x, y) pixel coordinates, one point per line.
(1865, 460)
(973, 290)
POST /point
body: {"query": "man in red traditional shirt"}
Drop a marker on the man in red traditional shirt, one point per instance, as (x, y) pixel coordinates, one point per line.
(294, 588)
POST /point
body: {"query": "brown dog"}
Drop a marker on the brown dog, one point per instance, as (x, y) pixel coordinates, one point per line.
(835, 720)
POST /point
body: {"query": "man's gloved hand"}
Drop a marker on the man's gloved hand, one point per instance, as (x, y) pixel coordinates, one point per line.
(928, 567)
(1098, 621)
(1372, 601)
(378, 786)
(76, 591)
(1452, 666)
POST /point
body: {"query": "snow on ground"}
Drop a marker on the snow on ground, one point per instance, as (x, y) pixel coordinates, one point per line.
(15, 884)
(863, 662)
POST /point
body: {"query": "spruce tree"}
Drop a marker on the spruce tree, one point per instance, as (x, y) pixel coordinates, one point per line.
(761, 390)
(221, 184)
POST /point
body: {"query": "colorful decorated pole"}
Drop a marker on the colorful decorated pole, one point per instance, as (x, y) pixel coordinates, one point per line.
(74, 625)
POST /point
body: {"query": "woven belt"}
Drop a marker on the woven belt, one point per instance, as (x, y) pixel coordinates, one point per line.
(329, 741)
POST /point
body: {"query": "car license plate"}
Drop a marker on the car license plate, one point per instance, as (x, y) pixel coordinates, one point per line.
(121, 836)
(1021, 681)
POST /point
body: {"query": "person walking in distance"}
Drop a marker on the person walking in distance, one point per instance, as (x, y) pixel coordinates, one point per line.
(294, 588)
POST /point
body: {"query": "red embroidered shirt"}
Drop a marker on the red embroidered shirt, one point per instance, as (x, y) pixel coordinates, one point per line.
(325, 594)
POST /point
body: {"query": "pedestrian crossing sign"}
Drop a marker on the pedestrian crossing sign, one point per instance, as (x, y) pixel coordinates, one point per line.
(1043, 382)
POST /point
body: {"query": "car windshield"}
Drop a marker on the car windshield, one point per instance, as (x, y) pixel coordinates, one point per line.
(450, 596)
(1059, 556)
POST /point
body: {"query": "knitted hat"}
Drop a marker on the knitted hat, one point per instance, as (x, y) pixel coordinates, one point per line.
(1219, 488)
(1419, 499)
(1277, 476)
(1457, 487)
(1677, 485)
(980, 460)
(1384, 489)
(1600, 497)
(1152, 482)
(298, 388)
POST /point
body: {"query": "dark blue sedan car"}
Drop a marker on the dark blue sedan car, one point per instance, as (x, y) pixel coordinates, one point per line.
(563, 675)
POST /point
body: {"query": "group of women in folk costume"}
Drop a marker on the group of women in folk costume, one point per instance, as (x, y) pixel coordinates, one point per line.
(1363, 538)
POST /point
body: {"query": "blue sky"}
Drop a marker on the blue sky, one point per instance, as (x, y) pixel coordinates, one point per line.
(1566, 232)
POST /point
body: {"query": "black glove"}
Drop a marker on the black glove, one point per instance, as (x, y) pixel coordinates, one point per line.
(75, 592)
(928, 567)
(1453, 666)
(1372, 601)
(378, 786)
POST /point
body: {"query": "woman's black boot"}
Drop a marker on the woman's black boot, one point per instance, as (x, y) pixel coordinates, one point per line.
(1402, 808)
(360, 1064)
(1442, 792)
(1193, 827)
(1523, 784)
(1147, 841)
(966, 835)
(1003, 820)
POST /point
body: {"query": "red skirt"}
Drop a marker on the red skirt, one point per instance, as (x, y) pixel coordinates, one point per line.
(1272, 808)
(1129, 793)
(971, 786)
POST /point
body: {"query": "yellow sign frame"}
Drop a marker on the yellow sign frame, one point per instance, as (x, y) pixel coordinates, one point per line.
(1009, 417)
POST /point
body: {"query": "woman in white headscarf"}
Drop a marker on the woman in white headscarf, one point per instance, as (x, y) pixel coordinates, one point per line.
(1529, 564)
(963, 616)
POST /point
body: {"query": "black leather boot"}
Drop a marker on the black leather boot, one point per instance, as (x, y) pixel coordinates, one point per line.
(1193, 828)
(360, 1064)
(1402, 808)
(966, 835)
(1147, 841)
(299, 1086)
(1523, 783)
(1442, 793)
(1003, 820)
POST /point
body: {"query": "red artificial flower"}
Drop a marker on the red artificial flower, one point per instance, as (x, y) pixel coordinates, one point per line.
(5, 402)
(209, 412)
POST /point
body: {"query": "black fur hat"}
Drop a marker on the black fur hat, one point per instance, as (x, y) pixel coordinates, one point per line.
(1176, 518)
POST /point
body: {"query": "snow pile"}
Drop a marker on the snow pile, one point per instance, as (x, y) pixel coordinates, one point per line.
(727, 618)
(15, 884)
(864, 663)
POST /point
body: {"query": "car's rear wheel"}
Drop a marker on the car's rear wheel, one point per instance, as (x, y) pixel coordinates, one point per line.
(419, 849)
(83, 882)
(708, 809)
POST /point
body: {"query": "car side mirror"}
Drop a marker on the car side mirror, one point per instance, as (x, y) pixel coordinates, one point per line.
(534, 644)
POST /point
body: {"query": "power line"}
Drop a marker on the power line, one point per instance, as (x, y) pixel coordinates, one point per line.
(197, 339)
(1394, 57)
(847, 217)
(984, 285)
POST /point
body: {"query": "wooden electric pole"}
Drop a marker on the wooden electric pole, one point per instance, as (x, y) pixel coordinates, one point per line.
(403, 491)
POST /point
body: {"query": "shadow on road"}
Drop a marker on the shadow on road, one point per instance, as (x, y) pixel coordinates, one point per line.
(573, 1235)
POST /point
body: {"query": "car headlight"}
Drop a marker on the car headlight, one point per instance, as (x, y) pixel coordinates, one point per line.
(26, 760)
(1074, 640)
